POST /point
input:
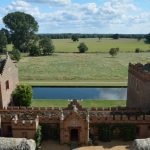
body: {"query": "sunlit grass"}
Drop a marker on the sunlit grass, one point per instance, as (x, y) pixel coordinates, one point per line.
(84, 103)
(79, 67)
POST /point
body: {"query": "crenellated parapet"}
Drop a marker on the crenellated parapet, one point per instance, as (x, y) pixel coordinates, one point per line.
(145, 119)
(6, 118)
(25, 124)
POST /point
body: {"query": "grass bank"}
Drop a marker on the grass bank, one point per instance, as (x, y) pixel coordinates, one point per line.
(79, 69)
(84, 103)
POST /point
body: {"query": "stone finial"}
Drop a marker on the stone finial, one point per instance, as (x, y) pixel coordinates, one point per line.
(75, 109)
(16, 117)
(62, 116)
(88, 117)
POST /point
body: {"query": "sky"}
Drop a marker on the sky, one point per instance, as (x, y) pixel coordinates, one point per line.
(84, 16)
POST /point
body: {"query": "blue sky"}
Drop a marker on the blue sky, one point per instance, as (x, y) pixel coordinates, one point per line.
(84, 16)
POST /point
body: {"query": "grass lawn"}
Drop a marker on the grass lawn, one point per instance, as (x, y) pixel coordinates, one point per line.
(79, 69)
(84, 103)
(104, 45)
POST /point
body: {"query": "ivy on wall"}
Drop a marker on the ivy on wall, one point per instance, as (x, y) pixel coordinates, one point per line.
(38, 137)
(107, 132)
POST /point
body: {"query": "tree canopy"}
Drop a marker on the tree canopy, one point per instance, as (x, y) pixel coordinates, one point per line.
(47, 46)
(115, 36)
(3, 41)
(75, 38)
(22, 28)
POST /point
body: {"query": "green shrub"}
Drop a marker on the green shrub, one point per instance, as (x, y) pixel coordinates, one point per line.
(38, 137)
(82, 48)
(15, 54)
(34, 51)
(138, 50)
(47, 46)
(113, 51)
(22, 95)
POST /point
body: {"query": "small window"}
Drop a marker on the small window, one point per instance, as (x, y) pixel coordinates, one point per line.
(7, 85)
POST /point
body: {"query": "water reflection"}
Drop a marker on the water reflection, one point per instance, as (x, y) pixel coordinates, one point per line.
(112, 93)
(80, 93)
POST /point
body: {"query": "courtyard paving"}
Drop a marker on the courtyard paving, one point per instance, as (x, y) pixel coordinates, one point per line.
(114, 145)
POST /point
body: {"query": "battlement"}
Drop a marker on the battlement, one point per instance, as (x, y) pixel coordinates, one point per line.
(17, 108)
(140, 71)
(24, 124)
(120, 118)
(7, 118)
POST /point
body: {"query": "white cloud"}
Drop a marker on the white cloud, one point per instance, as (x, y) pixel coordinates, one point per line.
(23, 6)
(51, 2)
(113, 16)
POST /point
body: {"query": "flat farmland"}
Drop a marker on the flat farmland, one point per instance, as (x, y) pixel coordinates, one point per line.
(83, 69)
(96, 45)
(103, 45)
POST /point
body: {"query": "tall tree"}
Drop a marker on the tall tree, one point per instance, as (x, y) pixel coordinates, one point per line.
(3, 41)
(22, 28)
(115, 36)
(47, 46)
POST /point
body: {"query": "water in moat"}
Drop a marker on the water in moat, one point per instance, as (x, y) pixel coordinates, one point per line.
(85, 93)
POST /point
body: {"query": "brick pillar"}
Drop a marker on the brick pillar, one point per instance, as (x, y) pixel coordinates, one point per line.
(143, 133)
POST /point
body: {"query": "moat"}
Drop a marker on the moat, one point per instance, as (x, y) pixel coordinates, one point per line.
(86, 93)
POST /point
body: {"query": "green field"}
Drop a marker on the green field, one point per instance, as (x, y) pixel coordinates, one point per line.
(84, 103)
(96, 45)
(78, 69)
(104, 45)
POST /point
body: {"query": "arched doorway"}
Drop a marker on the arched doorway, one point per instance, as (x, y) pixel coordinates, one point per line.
(74, 135)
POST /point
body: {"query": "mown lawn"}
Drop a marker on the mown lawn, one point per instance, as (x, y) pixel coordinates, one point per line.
(82, 68)
(104, 45)
(84, 103)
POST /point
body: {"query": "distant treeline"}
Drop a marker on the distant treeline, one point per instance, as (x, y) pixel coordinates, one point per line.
(69, 35)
